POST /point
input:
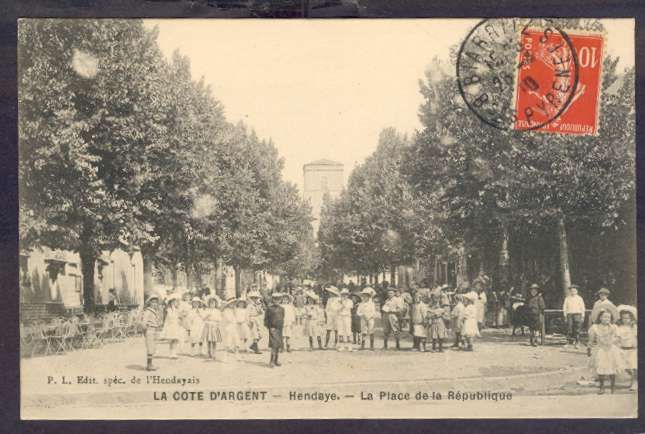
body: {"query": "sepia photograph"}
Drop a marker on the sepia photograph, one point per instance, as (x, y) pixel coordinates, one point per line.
(327, 219)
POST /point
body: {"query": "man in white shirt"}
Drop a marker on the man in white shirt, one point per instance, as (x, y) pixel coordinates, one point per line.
(573, 309)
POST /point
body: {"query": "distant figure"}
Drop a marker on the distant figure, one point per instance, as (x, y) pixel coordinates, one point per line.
(274, 321)
(573, 310)
(603, 303)
(113, 301)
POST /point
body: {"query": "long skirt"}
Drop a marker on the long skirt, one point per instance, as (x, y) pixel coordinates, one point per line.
(331, 322)
(607, 361)
(231, 338)
(419, 331)
(630, 358)
(275, 339)
(211, 332)
(391, 324)
(470, 328)
(287, 330)
(344, 325)
(243, 331)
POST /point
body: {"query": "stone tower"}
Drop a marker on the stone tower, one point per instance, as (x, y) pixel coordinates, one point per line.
(321, 177)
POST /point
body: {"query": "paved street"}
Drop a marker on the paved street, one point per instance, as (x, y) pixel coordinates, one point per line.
(534, 376)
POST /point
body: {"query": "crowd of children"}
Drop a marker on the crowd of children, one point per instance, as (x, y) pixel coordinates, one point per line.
(197, 325)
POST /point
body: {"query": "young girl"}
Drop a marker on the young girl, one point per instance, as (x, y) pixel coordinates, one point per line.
(457, 319)
(242, 320)
(419, 314)
(212, 318)
(345, 321)
(331, 314)
(289, 320)
(437, 326)
(172, 329)
(628, 341)
(314, 319)
(470, 329)
(196, 326)
(229, 325)
(606, 357)
(367, 312)
(256, 311)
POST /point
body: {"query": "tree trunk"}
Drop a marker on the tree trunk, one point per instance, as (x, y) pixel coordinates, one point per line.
(173, 275)
(564, 255)
(147, 272)
(393, 275)
(504, 260)
(88, 261)
(238, 280)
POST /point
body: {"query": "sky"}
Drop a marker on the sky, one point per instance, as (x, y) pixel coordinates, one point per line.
(326, 88)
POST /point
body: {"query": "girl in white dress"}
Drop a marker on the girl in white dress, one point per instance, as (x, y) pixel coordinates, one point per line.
(289, 320)
(212, 319)
(470, 328)
(229, 324)
(243, 321)
(628, 342)
(196, 326)
(172, 329)
(606, 357)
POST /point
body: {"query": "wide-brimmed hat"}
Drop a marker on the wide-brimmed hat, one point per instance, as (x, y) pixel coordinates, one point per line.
(230, 301)
(277, 294)
(312, 295)
(344, 291)
(333, 290)
(626, 308)
(574, 286)
(368, 290)
(152, 297)
(534, 286)
(194, 299)
(472, 296)
(208, 299)
(253, 294)
(173, 296)
(603, 291)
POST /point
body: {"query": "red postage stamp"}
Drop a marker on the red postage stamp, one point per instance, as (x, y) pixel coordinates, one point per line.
(570, 106)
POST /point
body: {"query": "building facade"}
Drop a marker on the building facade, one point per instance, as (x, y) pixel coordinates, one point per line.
(56, 276)
(322, 177)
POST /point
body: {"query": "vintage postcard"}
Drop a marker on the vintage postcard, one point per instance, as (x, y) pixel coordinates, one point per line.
(313, 219)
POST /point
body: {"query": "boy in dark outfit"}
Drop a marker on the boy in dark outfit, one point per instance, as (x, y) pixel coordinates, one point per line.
(274, 320)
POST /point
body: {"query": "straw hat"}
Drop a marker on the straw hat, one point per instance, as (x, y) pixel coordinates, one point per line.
(208, 299)
(277, 294)
(151, 297)
(253, 294)
(368, 290)
(229, 301)
(312, 295)
(344, 291)
(626, 308)
(333, 290)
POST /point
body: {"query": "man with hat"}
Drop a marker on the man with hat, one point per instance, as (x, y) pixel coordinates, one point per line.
(151, 323)
(392, 310)
(573, 310)
(274, 321)
(603, 303)
(535, 304)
